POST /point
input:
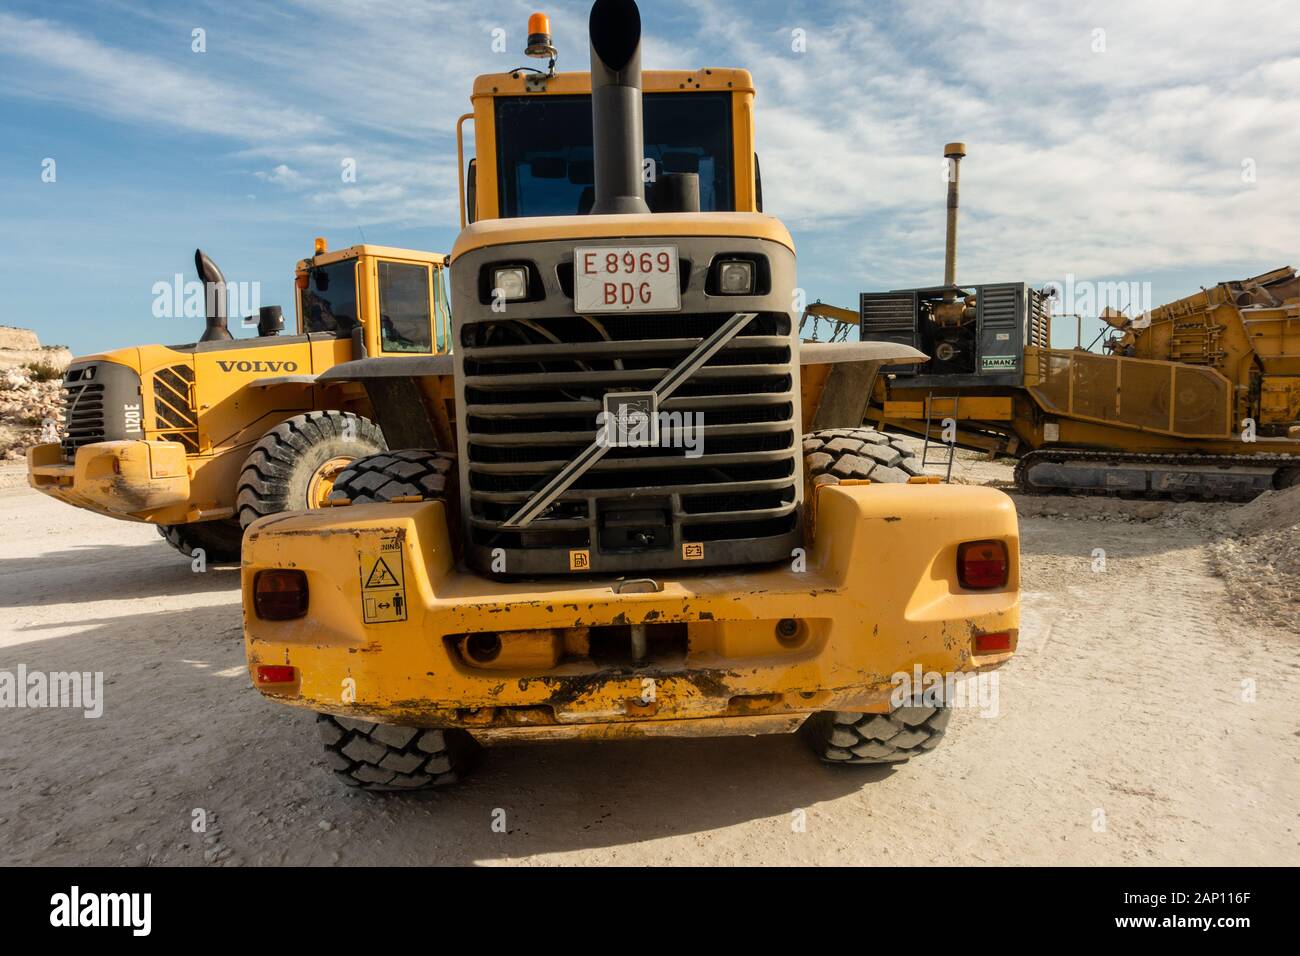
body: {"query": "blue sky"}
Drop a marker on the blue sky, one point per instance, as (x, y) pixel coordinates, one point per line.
(1110, 156)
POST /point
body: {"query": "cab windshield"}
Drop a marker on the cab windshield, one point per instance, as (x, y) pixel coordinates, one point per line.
(544, 159)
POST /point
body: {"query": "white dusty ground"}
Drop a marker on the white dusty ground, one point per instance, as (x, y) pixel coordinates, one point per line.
(1127, 732)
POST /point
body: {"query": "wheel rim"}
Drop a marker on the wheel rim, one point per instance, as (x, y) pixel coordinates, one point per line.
(322, 481)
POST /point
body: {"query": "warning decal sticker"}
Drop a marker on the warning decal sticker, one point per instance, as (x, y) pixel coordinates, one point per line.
(381, 576)
(383, 582)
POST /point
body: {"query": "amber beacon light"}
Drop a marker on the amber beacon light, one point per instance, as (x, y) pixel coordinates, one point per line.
(539, 37)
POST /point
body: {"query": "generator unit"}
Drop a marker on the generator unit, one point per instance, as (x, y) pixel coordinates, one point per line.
(974, 335)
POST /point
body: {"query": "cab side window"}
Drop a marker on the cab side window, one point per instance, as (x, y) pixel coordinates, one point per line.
(329, 303)
(405, 324)
(441, 310)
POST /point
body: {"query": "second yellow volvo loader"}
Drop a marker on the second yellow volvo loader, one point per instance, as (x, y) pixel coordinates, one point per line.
(201, 439)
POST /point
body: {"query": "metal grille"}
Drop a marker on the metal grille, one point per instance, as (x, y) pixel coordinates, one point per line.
(890, 317)
(83, 410)
(888, 312)
(175, 417)
(1000, 306)
(534, 388)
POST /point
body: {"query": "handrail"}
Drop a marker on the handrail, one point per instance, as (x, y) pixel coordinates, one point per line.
(460, 165)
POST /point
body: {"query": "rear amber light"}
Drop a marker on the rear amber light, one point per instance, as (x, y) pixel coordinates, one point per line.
(280, 594)
(982, 565)
(987, 643)
(276, 674)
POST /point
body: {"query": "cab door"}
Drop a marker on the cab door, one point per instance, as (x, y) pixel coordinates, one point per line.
(412, 320)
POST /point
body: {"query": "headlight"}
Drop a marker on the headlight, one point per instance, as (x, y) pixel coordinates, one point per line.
(511, 283)
(736, 277)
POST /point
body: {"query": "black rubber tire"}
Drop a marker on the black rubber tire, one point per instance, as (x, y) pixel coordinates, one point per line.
(832, 456)
(219, 540)
(373, 756)
(843, 737)
(278, 471)
(384, 757)
(411, 473)
(840, 454)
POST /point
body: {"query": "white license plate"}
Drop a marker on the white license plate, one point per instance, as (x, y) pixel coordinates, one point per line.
(626, 279)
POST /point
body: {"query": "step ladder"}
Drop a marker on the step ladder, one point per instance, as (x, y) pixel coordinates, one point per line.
(940, 459)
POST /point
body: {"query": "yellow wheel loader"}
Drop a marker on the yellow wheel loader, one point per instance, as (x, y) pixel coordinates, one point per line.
(201, 439)
(629, 502)
(1198, 398)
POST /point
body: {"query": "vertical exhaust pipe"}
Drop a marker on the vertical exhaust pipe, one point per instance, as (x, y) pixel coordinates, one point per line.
(214, 297)
(617, 135)
(954, 153)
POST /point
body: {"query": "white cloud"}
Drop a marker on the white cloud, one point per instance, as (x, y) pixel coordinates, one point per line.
(282, 175)
(375, 75)
(64, 65)
(1120, 162)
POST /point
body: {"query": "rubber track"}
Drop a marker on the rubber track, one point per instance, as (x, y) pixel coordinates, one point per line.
(1070, 454)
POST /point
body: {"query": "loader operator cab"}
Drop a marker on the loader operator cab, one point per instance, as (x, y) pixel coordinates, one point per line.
(405, 290)
(533, 140)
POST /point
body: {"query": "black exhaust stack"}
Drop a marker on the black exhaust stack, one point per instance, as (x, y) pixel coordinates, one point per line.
(617, 137)
(214, 297)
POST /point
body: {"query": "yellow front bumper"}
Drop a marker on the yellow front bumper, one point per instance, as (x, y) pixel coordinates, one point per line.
(875, 596)
(124, 479)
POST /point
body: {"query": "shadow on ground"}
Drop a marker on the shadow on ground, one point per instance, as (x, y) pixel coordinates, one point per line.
(108, 572)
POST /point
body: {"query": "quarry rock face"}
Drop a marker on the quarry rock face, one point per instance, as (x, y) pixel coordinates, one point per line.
(31, 397)
(12, 338)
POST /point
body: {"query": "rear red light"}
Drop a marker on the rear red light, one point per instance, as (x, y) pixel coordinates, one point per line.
(982, 565)
(276, 674)
(280, 595)
(987, 643)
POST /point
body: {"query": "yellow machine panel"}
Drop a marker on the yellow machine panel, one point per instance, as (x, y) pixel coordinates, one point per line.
(876, 597)
(1279, 400)
(1168, 397)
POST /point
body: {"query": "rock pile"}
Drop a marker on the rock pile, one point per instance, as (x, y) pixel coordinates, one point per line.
(1258, 557)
